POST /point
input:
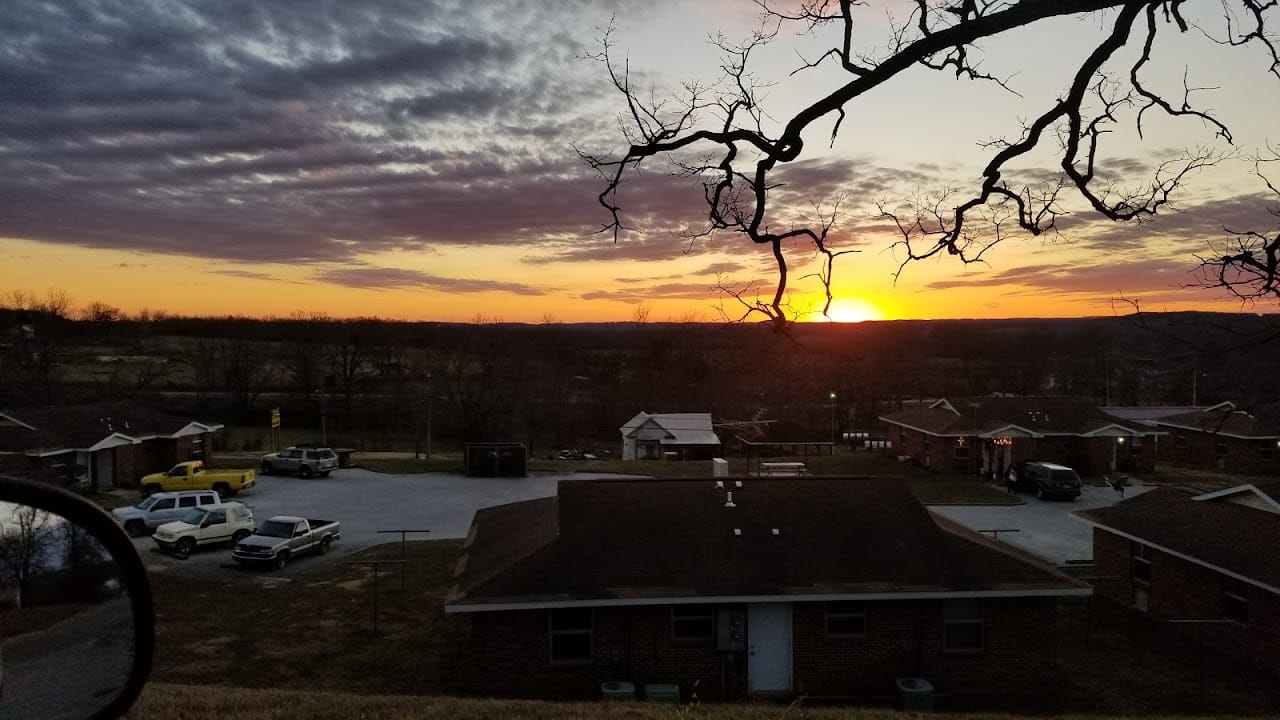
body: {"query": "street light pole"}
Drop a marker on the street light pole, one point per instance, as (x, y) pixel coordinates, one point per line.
(833, 421)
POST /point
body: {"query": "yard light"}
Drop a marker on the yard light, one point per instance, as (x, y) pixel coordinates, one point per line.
(1120, 440)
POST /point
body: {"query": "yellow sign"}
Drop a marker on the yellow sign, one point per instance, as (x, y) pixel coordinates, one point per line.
(275, 417)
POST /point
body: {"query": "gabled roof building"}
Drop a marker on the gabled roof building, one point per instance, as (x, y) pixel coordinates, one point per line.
(102, 444)
(1208, 564)
(657, 436)
(821, 586)
(988, 435)
(1224, 438)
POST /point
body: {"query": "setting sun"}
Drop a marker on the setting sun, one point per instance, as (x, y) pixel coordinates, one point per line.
(852, 310)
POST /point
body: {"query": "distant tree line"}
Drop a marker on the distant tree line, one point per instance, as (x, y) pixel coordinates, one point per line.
(387, 383)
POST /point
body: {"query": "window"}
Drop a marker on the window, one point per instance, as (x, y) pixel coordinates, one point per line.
(692, 622)
(1264, 450)
(1180, 441)
(962, 452)
(570, 635)
(186, 502)
(846, 618)
(927, 442)
(208, 499)
(178, 472)
(902, 434)
(1141, 564)
(216, 517)
(197, 448)
(1220, 447)
(962, 626)
(1234, 601)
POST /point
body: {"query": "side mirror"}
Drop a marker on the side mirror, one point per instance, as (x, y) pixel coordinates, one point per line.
(77, 627)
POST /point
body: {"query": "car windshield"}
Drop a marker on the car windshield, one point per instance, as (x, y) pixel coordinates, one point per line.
(275, 528)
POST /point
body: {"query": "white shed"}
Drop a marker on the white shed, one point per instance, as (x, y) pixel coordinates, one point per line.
(648, 436)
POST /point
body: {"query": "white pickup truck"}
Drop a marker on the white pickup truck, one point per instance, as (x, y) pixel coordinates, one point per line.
(207, 525)
(284, 537)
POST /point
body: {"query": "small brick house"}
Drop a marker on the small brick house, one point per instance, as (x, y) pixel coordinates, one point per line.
(1224, 438)
(988, 435)
(826, 587)
(101, 444)
(1208, 564)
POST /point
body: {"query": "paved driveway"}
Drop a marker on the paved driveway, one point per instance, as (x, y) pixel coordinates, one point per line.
(366, 502)
(1045, 528)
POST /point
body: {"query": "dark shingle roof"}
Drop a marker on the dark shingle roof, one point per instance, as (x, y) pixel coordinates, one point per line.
(1261, 423)
(1218, 532)
(81, 426)
(675, 538)
(1040, 415)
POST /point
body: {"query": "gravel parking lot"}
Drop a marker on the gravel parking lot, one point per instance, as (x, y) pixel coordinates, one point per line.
(365, 502)
(1045, 528)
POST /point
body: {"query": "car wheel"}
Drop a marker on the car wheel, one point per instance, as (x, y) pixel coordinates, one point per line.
(324, 473)
(305, 471)
(135, 528)
(149, 490)
(186, 545)
(222, 489)
(268, 468)
(1039, 492)
(324, 546)
(239, 535)
(282, 559)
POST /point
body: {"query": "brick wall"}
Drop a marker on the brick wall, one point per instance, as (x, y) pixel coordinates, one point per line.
(508, 653)
(1183, 590)
(1215, 452)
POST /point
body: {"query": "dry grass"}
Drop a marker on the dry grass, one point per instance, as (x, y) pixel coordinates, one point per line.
(162, 701)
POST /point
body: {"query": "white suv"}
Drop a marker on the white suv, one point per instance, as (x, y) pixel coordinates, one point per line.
(160, 508)
(207, 525)
(306, 461)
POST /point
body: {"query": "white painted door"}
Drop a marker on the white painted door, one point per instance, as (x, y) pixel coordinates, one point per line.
(769, 647)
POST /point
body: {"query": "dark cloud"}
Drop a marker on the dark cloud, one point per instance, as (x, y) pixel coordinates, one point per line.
(375, 278)
(295, 131)
(664, 291)
(1130, 276)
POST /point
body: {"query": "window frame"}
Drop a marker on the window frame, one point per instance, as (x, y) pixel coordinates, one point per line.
(553, 632)
(686, 615)
(1139, 556)
(842, 614)
(967, 612)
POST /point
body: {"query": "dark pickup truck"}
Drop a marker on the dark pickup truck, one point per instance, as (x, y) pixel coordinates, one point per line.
(284, 537)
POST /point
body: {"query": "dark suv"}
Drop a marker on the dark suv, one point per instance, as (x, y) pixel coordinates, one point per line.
(1045, 479)
(306, 461)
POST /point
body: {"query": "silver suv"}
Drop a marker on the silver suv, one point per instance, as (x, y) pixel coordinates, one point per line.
(306, 461)
(160, 508)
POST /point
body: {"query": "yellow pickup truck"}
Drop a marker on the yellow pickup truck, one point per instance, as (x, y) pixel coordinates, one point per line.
(192, 475)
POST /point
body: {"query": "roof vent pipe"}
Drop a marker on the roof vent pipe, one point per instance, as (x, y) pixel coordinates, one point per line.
(729, 501)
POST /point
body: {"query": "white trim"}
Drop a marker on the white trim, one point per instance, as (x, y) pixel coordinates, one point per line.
(1128, 432)
(926, 432)
(943, 403)
(1236, 491)
(741, 599)
(113, 440)
(1030, 433)
(1216, 433)
(16, 421)
(50, 453)
(1183, 556)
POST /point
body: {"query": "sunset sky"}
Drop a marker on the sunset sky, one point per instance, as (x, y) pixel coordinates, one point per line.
(415, 159)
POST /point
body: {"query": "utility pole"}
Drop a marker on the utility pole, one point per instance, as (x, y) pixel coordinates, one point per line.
(832, 397)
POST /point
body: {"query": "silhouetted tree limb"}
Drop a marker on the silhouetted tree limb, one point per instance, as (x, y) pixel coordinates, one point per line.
(739, 158)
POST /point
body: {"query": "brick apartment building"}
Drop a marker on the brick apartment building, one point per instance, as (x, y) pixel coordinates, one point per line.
(1180, 556)
(816, 586)
(988, 435)
(1224, 438)
(101, 444)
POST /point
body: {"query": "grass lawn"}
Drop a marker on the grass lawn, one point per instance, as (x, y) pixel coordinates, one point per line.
(313, 634)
